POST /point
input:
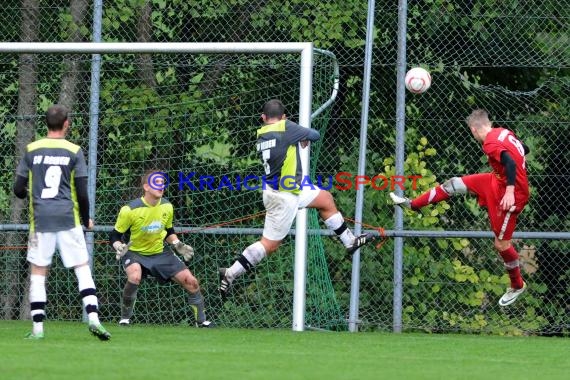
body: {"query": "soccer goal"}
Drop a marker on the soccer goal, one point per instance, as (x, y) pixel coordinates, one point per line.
(191, 111)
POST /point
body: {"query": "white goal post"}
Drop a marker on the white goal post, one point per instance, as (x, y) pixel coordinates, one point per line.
(305, 49)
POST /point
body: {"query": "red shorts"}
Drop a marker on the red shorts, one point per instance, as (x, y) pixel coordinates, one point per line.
(489, 194)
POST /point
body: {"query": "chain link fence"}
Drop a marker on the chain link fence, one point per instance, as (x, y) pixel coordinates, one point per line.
(199, 113)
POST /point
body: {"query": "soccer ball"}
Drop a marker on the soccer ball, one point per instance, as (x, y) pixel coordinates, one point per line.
(418, 80)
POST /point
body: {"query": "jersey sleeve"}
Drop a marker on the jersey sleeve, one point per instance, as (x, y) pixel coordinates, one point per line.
(168, 223)
(80, 165)
(493, 149)
(123, 222)
(23, 166)
(295, 133)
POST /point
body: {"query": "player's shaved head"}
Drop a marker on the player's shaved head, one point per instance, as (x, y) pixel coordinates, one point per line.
(274, 109)
(56, 116)
(478, 118)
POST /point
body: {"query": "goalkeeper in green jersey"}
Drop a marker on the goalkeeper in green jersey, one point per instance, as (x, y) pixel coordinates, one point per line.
(148, 221)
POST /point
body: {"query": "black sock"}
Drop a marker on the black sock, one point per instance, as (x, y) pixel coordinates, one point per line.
(196, 302)
(129, 298)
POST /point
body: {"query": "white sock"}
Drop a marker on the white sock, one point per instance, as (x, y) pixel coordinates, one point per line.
(93, 318)
(38, 299)
(84, 278)
(37, 327)
(337, 224)
(234, 271)
(252, 255)
(87, 291)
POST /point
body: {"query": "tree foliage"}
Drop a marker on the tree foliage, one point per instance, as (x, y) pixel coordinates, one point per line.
(474, 49)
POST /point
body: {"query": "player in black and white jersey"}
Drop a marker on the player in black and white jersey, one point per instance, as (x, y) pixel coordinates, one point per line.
(278, 143)
(53, 174)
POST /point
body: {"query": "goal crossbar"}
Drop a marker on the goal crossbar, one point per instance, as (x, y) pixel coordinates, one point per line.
(154, 47)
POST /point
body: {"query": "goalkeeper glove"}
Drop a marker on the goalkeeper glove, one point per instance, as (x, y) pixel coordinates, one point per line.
(184, 250)
(120, 249)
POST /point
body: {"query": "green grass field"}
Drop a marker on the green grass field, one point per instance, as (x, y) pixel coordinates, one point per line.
(171, 352)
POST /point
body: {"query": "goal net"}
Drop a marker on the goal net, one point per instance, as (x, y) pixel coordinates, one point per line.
(192, 116)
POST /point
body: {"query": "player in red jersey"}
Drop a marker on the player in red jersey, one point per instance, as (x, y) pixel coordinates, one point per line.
(504, 192)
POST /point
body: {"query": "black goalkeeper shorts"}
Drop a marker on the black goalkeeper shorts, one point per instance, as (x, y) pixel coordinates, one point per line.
(162, 266)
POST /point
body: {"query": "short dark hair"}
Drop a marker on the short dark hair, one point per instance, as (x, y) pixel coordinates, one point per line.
(274, 108)
(147, 174)
(56, 116)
